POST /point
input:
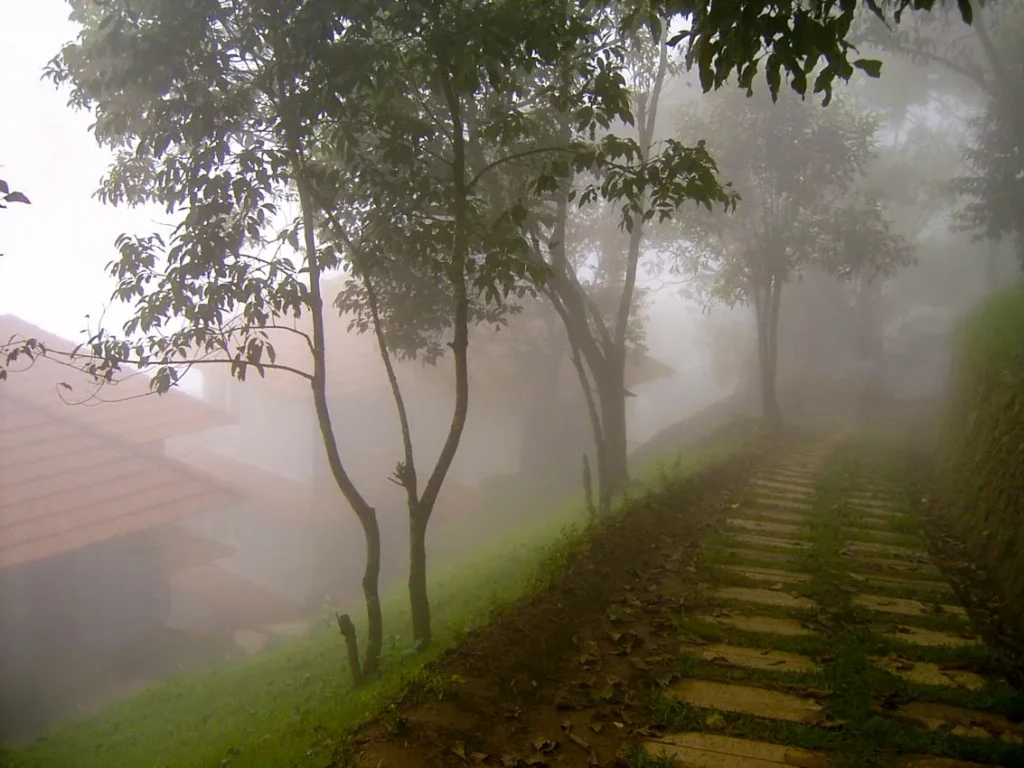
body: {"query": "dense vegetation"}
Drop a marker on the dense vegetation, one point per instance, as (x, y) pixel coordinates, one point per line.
(458, 163)
(984, 440)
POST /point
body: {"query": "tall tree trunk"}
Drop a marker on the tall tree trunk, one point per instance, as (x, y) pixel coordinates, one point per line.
(767, 351)
(366, 514)
(612, 397)
(419, 513)
(371, 594)
(419, 600)
(600, 447)
(773, 410)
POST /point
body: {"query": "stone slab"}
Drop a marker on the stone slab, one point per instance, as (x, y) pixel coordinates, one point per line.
(710, 750)
(930, 637)
(906, 607)
(768, 625)
(960, 722)
(754, 658)
(882, 509)
(760, 702)
(759, 554)
(768, 575)
(873, 548)
(783, 503)
(883, 536)
(921, 565)
(771, 541)
(763, 597)
(779, 515)
(792, 473)
(919, 585)
(873, 503)
(877, 518)
(790, 488)
(927, 673)
(768, 527)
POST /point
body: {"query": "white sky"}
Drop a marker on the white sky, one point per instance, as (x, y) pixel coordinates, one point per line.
(55, 250)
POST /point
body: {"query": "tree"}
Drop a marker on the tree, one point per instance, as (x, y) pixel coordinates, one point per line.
(993, 187)
(789, 40)
(597, 312)
(213, 111)
(406, 151)
(986, 63)
(793, 165)
(432, 247)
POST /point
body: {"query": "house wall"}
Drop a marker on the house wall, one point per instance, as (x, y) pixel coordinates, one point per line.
(58, 614)
(271, 547)
(97, 598)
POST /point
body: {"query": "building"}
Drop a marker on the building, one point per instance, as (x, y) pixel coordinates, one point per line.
(92, 552)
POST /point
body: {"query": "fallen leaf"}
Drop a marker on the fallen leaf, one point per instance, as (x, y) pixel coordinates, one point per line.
(579, 742)
(545, 746)
(715, 721)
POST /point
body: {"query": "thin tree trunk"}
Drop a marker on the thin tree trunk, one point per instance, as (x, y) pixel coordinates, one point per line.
(600, 447)
(763, 300)
(419, 600)
(773, 409)
(612, 395)
(366, 514)
(420, 514)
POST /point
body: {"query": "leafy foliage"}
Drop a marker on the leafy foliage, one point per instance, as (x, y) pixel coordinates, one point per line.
(861, 243)
(993, 187)
(8, 195)
(805, 44)
(792, 166)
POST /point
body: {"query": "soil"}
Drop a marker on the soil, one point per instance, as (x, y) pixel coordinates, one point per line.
(563, 672)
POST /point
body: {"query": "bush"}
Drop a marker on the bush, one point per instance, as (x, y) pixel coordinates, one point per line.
(983, 439)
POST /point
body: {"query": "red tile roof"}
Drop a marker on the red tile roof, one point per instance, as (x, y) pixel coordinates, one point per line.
(126, 410)
(63, 487)
(71, 476)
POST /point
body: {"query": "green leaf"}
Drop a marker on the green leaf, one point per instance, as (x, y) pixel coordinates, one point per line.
(966, 11)
(873, 67)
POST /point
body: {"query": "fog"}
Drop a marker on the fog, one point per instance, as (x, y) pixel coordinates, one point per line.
(143, 536)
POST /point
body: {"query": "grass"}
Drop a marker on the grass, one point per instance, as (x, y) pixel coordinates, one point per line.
(865, 736)
(293, 705)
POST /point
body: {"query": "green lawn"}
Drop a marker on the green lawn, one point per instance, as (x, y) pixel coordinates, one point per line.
(292, 705)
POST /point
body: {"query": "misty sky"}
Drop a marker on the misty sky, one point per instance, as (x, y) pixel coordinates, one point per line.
(55, 250)
(52, 271)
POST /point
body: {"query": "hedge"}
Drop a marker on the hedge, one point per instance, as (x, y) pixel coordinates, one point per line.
(983, 439)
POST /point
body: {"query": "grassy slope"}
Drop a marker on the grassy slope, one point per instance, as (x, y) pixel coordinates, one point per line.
(984, 438)
(291, 705)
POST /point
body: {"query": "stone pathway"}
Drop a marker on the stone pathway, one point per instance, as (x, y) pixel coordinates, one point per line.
(826, 636)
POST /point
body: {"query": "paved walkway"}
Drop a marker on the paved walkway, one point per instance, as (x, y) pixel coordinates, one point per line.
(826, 636)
